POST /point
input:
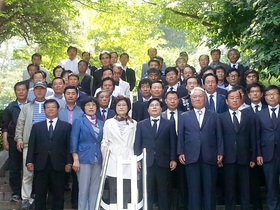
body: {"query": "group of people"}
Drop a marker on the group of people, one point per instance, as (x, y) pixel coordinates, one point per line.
(194, 125)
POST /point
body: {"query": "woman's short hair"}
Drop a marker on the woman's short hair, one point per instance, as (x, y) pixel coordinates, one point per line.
(87, 100)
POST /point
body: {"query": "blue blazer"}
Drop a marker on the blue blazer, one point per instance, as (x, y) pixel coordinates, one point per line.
(221, 105)
(239, 146)
(62, 114)
(160, 146)
(193, 140)
(84, 142)
(268, 136)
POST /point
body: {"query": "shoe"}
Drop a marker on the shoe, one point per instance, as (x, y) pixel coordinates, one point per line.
(26, 205)
(15, 198)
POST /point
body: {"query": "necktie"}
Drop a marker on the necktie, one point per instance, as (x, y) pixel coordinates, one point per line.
(155, 126)
(273, 117)
(172, 116)
(51, 128)
(199, 112)
(256, 108)
(234, 66)
(211, 103)
(235, 121)
(103, 114)
(171, 89)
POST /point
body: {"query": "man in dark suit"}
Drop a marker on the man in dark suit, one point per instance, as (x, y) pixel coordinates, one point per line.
(215, 101)
(200, 148)
(255, 96)
(10, 117)
(158, 136)
(157, 91)
(233, 56)
(104, 112)
(179, 182)
(73, 80)
(144, 88)
(128, 74)
(268, 144)
(49, 156)
(239, 135)
(172, 79)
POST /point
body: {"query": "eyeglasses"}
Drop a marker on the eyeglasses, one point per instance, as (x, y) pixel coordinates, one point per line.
(271, 94)
(233, 75)
(90, 105)
(255, 91)
(154, 105)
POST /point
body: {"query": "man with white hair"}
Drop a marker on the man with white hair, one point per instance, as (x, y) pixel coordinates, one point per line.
(200, 148)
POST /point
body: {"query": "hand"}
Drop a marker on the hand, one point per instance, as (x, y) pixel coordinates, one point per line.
(20, 145)
(68, 168)
(76, 165)
(139, 166)
(220, 159)
(260, 160)
(30, 167)
(5, 144)
(173, 165)
(252, 164)
(182, 159)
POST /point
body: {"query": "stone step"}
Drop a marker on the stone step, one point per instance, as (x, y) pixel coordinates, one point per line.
(6, 205)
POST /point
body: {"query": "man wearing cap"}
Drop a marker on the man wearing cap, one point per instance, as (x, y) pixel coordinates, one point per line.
(30, 113)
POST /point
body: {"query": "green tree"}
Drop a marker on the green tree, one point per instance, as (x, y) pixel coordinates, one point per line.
(252, 26)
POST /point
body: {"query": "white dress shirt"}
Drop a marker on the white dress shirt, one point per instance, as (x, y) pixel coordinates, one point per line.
(199, 116)
(276, 111)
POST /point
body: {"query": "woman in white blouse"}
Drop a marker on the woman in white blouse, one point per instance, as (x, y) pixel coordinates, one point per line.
(118, 136)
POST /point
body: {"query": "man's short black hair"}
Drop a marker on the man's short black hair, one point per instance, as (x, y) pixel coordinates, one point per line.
(49, 101)
(154, 99)
(169, 69)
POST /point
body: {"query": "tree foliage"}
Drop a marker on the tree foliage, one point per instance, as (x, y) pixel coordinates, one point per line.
(252, 26)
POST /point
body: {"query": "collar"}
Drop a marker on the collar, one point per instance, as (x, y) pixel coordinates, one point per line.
(276, 107)
(231, 112)
(54, 120)
(196, 110)
(154, 118)
(144, 99)
(214, 94)
(253, 105)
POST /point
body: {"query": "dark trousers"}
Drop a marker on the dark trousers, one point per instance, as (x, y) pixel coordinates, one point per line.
(237, 175)
(75, 188)
(201, 178)
(256, 180)
(179, 199)
(271, 172)
(112, 181)
(45, 179)
(15, 167)
(161, 177)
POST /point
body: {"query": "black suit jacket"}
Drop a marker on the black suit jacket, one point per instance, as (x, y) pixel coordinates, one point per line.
(195, 141)
(128, 75)
(181, 90)
(137, 110)
(160, 146)
(111, 113)
(41, 146)
(268, 136)
(221, 105)
(239, 146)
